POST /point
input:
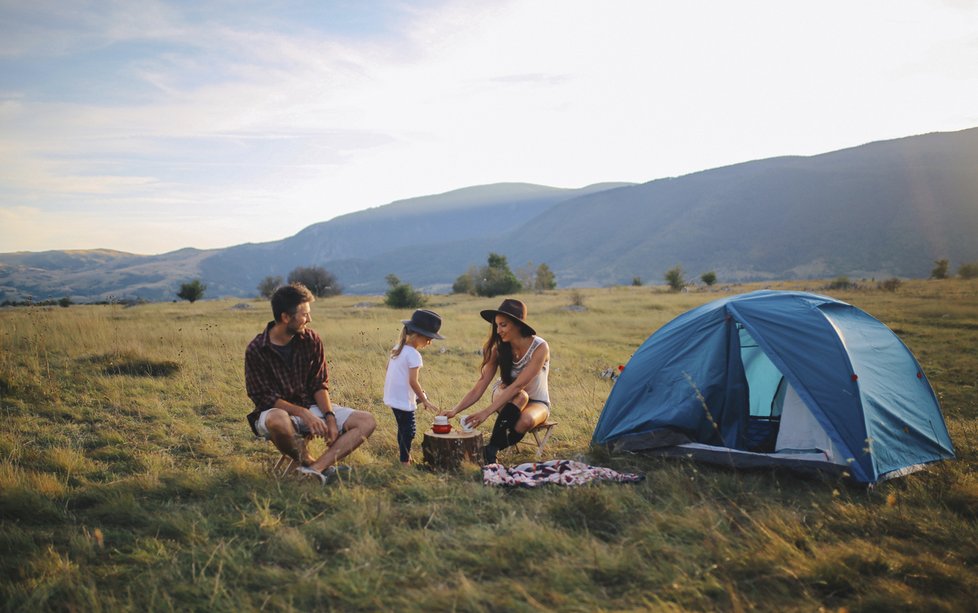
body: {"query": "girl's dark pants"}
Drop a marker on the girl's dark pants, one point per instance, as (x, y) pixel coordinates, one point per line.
(405, 432)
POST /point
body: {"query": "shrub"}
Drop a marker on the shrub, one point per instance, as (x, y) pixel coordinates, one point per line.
(840, 282)
(674, 278)
(940, 269)
(890, 285)
(637, 281)
(709, 278)
(268, 285)
(192, 291)
(320, 281)
(968, 271)
(402, 295)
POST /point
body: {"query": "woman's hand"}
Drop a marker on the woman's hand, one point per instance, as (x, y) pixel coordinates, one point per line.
(475, 419)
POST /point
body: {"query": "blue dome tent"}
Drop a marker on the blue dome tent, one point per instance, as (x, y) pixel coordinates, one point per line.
(779, 378)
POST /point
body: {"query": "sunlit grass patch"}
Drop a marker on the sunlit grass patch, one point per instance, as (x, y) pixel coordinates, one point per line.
(46, 484)
(69, 461)
(152, 493)
(119, 460)
(53, 579)
(120, 508)
(962, 497)
(288, 547)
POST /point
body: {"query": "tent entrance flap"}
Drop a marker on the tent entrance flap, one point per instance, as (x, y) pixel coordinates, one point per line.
(778, 420)
(766, 390)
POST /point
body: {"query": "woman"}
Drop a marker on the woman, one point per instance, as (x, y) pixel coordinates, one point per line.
(520, 396)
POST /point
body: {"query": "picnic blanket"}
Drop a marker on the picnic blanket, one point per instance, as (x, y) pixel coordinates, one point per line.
(560, 472)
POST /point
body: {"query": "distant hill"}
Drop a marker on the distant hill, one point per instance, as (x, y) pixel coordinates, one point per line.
(884, 209)
(878, 210)
(361, 248)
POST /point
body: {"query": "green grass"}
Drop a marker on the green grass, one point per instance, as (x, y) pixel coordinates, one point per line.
(129, 478)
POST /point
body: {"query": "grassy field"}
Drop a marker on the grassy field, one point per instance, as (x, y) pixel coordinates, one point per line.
(129, 478)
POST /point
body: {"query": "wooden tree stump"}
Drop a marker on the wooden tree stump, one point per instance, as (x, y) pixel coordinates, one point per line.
(448, 451)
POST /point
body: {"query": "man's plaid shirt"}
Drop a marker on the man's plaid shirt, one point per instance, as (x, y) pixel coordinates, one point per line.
(268, 377)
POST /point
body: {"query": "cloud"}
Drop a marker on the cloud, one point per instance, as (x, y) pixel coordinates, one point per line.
(200, 112)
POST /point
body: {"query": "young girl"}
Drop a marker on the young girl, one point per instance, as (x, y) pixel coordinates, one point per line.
(402, 390)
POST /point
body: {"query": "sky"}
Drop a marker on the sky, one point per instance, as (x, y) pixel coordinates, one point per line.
(148, 126)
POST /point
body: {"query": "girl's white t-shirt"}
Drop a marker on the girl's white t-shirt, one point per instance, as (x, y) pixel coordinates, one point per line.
(397, 387)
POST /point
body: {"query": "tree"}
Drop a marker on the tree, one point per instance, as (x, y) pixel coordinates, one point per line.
(708, 278)
(317, 279)
(402, 295)
(497, 278)
(539, 278)
(674, 277)
(637, 281)
(968, 271)
(268, 285)
(940, 269)
(192, 291)
(493, 279)
(465, 283)
(526, 275)
(545, 279)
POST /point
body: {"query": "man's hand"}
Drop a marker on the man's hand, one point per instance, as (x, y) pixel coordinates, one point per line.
(316, 425)
(332, 432)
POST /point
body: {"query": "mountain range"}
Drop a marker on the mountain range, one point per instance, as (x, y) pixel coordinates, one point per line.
(883, 209)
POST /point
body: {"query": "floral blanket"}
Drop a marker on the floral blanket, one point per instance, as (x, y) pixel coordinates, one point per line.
(560, 472)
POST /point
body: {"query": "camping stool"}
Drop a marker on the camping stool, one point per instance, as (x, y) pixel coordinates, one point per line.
(286, 464)
(541, 434)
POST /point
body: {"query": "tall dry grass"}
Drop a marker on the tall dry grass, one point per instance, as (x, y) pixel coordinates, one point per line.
(129, 478)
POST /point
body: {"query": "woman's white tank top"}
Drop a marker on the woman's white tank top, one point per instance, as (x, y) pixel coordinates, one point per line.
(538, 388)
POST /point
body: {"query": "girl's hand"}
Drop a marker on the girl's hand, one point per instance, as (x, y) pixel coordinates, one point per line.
(448, 414)
(430, 406)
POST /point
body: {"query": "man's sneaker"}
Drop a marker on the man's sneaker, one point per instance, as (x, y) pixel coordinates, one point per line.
(339, 471)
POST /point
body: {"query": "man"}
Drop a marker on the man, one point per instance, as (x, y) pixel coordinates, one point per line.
(286, 378)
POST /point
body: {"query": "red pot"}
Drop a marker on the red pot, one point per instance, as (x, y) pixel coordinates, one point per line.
(441, 429)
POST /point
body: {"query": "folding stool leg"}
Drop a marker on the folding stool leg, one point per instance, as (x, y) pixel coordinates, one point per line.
(285, 464)
(542, 441)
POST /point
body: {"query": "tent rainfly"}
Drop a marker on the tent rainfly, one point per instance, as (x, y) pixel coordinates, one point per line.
(774, 378)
